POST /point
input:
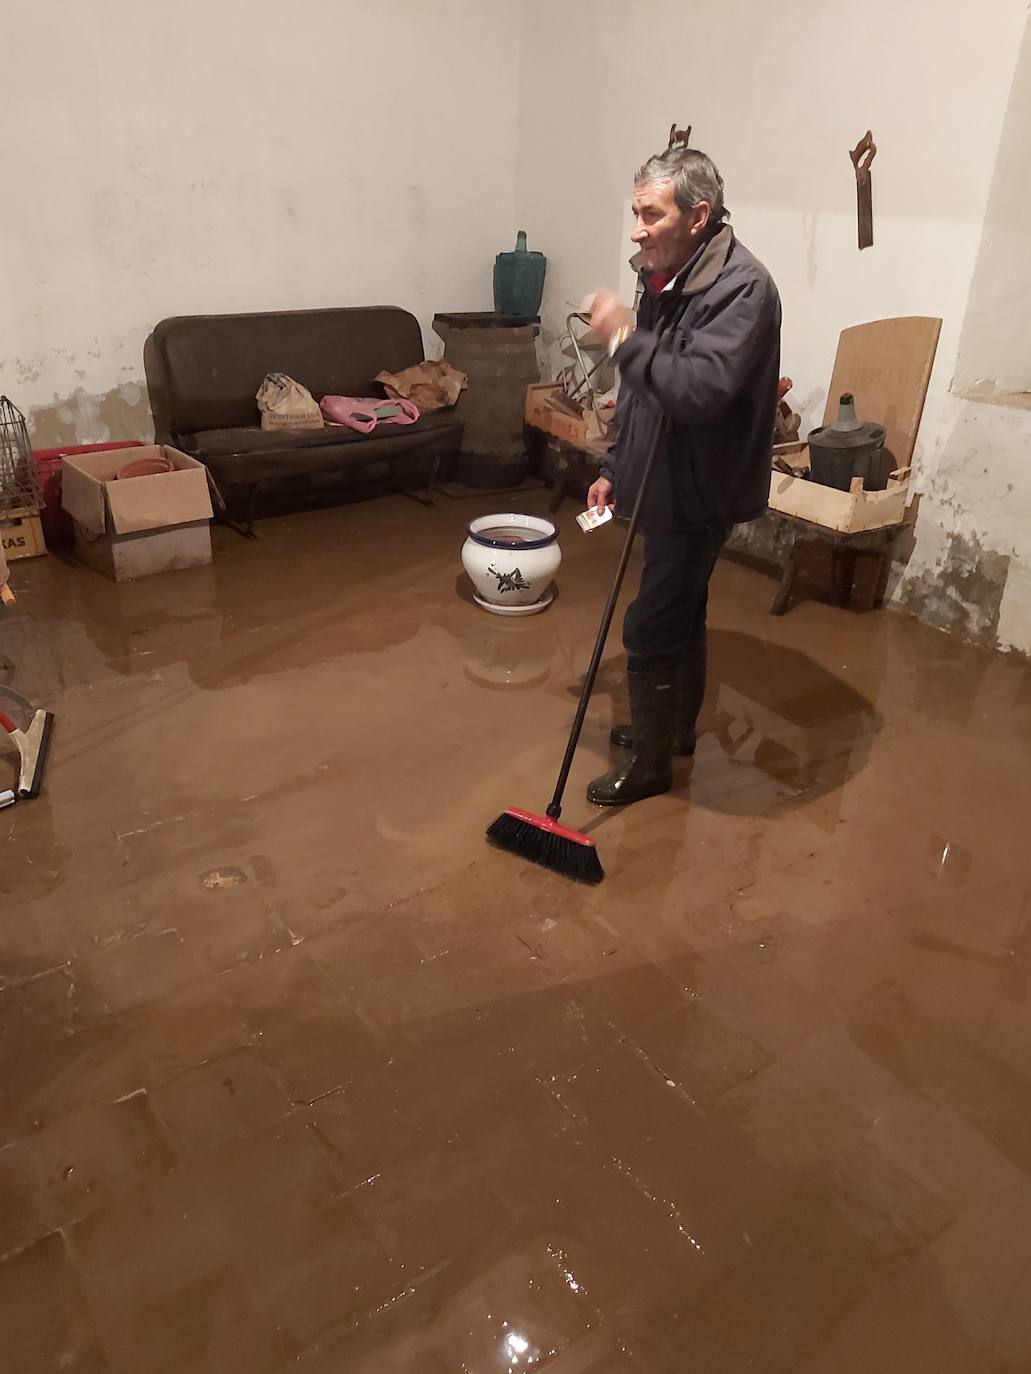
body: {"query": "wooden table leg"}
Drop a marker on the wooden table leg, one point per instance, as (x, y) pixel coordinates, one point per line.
(843, 574)
(882, 577)
(560, 486)
(787, 578)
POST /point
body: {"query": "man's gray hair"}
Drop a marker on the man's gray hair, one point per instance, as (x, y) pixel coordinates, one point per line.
(692, 174)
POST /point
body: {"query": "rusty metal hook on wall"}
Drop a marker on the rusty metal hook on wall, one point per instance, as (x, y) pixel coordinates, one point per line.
(862, 156)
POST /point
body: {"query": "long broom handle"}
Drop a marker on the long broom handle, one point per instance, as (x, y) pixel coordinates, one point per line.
(555, 809)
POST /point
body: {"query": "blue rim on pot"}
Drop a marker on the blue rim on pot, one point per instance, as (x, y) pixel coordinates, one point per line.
(476, 531)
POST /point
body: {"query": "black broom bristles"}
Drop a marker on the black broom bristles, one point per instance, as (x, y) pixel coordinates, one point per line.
(543, 841)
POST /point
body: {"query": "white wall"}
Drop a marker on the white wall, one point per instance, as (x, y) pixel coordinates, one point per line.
(226, 155)
(995, 347)
(245, 155)
(777, 95)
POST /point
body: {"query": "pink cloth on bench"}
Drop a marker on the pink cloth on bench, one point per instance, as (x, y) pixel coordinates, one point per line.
(364, 413)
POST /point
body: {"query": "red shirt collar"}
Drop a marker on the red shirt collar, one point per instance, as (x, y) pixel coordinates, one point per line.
(658, 281)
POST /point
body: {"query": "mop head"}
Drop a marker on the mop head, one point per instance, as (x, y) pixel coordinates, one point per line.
(34, 747)
(33, 744)
(545, 842)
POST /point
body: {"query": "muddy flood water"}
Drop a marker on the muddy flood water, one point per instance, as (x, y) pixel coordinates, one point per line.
(298, 1074)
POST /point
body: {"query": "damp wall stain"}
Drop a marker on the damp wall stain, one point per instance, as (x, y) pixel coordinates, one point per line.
(85, 418)
(766, 540)
(963, 594)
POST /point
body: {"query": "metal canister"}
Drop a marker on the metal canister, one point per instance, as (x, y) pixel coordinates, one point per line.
(846, 449)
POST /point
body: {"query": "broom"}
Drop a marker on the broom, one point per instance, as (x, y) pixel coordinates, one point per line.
(541, 839)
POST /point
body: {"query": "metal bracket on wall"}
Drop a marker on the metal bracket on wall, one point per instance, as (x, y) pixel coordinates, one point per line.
(862, 155)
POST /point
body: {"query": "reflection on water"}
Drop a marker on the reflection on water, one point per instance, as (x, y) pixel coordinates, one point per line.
(507, 655)
(776, 727)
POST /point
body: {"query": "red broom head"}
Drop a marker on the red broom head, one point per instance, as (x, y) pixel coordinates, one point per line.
(544, 841)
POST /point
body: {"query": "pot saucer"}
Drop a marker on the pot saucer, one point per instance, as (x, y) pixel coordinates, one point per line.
(532, 609)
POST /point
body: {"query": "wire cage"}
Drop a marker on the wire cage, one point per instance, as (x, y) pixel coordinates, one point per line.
(19, 480)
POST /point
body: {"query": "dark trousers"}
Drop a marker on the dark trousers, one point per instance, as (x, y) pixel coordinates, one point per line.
(665, 626)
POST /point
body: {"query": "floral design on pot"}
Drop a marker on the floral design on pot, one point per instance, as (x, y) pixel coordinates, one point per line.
(511, 560)
(509, 581)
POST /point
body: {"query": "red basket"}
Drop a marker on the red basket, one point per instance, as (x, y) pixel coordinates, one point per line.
(57, 523)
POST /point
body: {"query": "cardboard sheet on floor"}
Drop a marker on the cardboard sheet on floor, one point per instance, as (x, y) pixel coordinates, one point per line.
(886, 364)
(139, 525)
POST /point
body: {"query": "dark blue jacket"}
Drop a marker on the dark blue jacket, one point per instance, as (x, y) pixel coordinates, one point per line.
(704, 364)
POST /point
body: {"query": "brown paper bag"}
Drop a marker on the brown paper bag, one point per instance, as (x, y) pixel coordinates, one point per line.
(285, 404)
(430, 385)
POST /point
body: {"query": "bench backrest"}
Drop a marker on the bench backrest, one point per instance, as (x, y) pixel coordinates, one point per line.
(203, 370)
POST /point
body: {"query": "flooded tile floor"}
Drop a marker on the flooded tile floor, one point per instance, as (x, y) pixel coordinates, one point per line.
(298, 1074)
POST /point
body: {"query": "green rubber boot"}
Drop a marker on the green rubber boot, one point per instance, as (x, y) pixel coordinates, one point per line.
(653, 702)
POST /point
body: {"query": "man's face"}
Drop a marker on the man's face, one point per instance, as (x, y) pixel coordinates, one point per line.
(666, 235)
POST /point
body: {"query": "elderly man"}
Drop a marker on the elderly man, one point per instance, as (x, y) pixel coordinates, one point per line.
(699, 370)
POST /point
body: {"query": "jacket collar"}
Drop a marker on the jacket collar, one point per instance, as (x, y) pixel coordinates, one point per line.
(703, 270)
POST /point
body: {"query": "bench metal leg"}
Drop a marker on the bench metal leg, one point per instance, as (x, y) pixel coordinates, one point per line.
(427, 498)
(222, 512)
(431, 489)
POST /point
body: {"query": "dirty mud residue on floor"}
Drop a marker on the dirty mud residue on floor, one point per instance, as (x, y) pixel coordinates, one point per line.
(297, 1074)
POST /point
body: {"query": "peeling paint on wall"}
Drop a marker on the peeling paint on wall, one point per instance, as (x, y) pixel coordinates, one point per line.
(81, 418)
(987, 391)
(766, 540)
(963, 594)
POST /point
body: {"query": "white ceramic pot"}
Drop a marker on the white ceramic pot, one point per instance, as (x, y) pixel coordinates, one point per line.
(512, 560)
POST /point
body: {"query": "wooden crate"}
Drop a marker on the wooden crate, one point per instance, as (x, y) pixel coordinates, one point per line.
(580, 431)
(843, 512)
(886, 365)
(21, 533)
(537, 409)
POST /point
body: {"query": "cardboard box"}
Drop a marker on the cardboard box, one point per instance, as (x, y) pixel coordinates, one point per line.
(140, 525)
(581, 431)
(21, 534)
